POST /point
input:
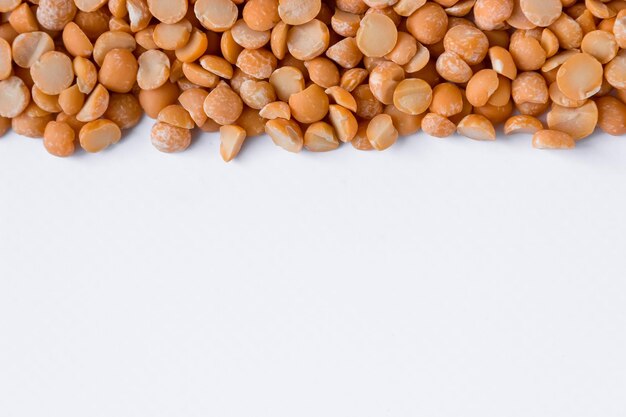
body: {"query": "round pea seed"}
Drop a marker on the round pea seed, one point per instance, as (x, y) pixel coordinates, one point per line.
(193, 101)
(611, 115)
(231, 140)
(298, 12)
(492, 14)
(124, 110)
(308, 40)
(223, 105)
(86, 74)
(522, 124)
(438, 126)
(580, 77)
(477, 127)
(323, 72)
(412, 96)
(451, 67)
(216, 15)
(258, 63)
(75, 41)
(194, 48)
(257, 94)
(261, 14)
(381, 132)
(552, 139)
(118, 72)
(276, 110)
(577, 122)
(168, 11)
(15, 97)
(468, 42)
(71, 100)
(428, 24)
(541, 12)
(169, 139)
(342, 97)
(154, 69)
(286, 134)
(615, 71)
(601, 45)
(58, 139)
(98, 135)
(377, 35)
(172, 36)
(384, 79)
(346, 53)
(247, 37)
(447, 100)
(481, 87)
(29, 47)
(309, 105)
(529, 87)
(343, 121)
(320, 137)
(55, 14)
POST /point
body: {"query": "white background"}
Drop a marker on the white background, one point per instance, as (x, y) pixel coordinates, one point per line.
(439, 278)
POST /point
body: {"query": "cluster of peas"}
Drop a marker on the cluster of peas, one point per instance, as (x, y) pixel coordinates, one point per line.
(311, 73)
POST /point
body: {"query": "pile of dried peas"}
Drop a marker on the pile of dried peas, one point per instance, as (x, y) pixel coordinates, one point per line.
(311, 73)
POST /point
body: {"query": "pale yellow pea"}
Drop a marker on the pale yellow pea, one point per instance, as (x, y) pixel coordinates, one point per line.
(231, 140)
(384, 79)
(477, 127)
(580, 77)
(216, 15)
(193, 101)
(577, 122)
(381, 132)
(5, 60)
(95, 105)
(309, 105)
(412, 96)
(176, 115)
(438, 126)
(522, 124)
(308, 40)
(377, 35)
(223, 105)
(58, 139)
(286, 134)
(447, 100)
(29, 47)
(552, 139)
(298, 12)
(169, 139)
(53, 72)
(320, 137)
(601, 45)
(98, 135)
(287, 81)
(481, 87)
(154, 69)
(276, 110)
(15, 97)
(343, 121)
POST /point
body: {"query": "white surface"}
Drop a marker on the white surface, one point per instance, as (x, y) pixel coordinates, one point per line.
(439, 278)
